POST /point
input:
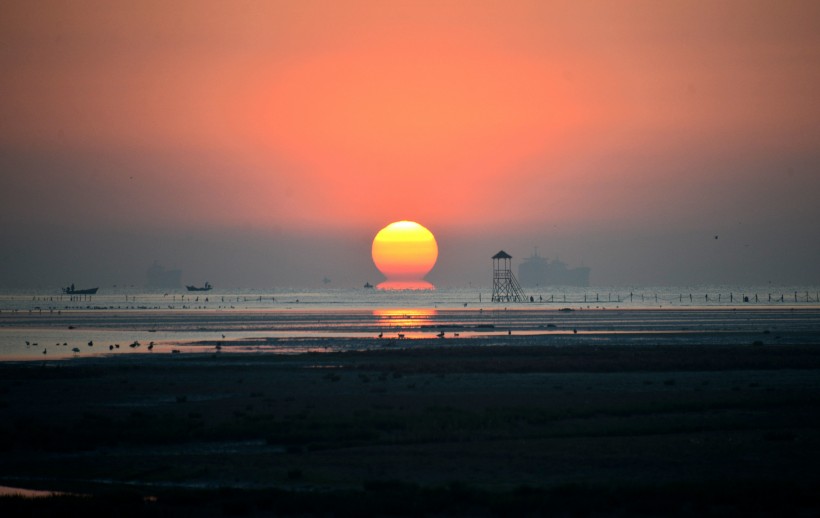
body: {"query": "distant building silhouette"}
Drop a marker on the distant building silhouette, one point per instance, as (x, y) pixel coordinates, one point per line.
(159, 277)
(538, 271)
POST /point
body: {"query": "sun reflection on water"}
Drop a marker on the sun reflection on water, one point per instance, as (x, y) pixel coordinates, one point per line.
(404, 318)
(405, 285)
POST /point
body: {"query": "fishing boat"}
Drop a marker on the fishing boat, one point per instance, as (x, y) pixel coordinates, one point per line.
(207, 287)
(367, 285)
(71, 290)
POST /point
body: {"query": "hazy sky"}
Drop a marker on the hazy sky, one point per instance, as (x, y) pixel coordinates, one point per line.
(265, 143)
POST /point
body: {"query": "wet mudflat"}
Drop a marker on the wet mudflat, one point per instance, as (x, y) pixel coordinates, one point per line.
(449, 430)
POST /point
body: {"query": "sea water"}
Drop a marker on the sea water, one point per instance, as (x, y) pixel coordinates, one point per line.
(368, 298)
(47, 326)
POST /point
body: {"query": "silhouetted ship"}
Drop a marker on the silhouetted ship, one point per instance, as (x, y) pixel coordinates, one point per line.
(207, 287)
(538, 271)
(367, 285)
(70, 290)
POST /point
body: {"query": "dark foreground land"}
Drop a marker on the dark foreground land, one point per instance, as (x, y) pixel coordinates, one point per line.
(686, 430)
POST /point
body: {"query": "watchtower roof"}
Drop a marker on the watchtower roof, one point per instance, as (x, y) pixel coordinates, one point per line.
(502, 255)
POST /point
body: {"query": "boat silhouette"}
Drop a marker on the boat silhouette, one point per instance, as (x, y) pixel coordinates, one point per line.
(207, 287)
(70, 290)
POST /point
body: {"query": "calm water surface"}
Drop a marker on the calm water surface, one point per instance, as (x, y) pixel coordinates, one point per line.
(48, 326)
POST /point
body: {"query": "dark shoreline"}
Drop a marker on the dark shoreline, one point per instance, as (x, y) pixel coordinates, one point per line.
(452, 430)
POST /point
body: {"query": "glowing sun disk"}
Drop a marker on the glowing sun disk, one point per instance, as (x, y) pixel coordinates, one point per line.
(404, 251)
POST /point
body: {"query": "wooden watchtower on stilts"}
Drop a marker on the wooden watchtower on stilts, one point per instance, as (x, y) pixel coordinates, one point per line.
(505, 285)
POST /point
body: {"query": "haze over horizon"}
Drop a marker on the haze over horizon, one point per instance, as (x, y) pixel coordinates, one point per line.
(263, 144)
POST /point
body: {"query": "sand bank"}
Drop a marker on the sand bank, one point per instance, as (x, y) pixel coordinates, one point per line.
(634, 420)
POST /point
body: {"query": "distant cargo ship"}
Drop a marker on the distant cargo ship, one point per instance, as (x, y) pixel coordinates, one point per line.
(70, 290)
(207, 287)
(538, 271)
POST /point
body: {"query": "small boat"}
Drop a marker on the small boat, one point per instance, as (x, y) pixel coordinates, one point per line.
(368, 285)
(207, 287)
(70, 290)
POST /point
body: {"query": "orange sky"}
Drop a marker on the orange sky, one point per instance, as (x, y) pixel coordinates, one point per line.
(306, 116)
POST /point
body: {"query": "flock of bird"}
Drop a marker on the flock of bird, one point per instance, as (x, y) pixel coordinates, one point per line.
(401, 336)
(111, 347)
(76, 350)
(135, 344)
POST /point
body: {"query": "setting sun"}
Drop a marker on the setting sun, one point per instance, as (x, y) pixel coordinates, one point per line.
(405, 252)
